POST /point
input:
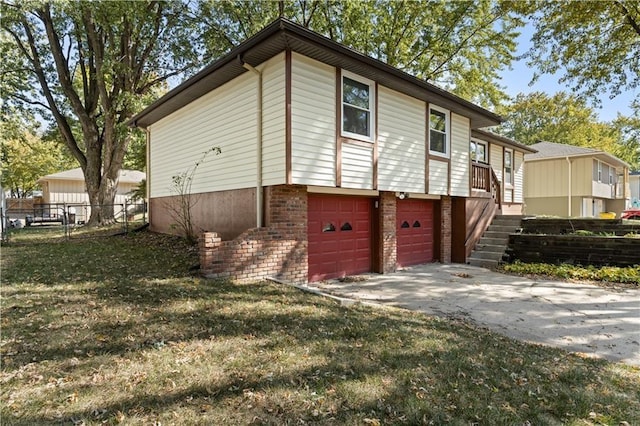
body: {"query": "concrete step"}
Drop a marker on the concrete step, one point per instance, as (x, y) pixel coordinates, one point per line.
(502, 228)
(497, 234)
(497, 256)
(483, 263)
(507, 220)
(493, 241)
(491, 248)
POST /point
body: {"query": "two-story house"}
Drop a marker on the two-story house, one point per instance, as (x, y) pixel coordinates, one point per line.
(573, 181)
(333, 163)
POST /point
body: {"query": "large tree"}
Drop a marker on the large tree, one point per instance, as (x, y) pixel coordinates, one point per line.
(568, 119)
(461, 46)
(93, 63)
(595, 45)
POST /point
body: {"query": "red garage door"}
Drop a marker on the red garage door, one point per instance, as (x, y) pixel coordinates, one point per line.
(339, 234)
(414, 231)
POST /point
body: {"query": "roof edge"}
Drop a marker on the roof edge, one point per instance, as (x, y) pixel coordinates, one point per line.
(286, 27)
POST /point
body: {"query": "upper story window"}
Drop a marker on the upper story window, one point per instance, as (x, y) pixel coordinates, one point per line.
(358, 96)
(478, 151)
(508, 166)
(438, 131)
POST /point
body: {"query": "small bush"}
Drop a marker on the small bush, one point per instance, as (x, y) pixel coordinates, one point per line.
(613, 274)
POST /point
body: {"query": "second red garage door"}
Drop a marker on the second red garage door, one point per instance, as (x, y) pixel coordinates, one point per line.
(414, 231)
(339, 235)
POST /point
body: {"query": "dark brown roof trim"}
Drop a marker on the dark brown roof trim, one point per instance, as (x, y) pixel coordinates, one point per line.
(502, 140)
(282, 34)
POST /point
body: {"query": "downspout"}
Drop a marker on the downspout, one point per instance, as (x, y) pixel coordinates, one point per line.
(147, 184)
(569, 189)
(259, 206)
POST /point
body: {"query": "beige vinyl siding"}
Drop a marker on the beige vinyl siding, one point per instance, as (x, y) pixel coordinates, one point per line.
(273, 124)
(313, 122)
(438, 176)
(401, 142)
(460, 157)
(518, 178)
(496, 160)
(546, 179)
(68, 191)
(224, 117)
(357, 166)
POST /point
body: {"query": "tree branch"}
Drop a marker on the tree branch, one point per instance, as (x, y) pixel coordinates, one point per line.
(630, 18)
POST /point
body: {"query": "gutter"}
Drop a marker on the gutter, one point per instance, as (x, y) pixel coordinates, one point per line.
(259, 115)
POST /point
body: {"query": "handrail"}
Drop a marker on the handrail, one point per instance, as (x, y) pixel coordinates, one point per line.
(495, 188)
(480, 173)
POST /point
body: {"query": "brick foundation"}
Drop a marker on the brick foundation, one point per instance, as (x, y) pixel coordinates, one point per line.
(278, 250)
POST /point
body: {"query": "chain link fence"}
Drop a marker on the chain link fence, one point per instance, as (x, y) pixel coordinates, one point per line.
(69, 221)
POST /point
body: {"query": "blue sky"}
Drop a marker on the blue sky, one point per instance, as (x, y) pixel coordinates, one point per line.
(517, 81)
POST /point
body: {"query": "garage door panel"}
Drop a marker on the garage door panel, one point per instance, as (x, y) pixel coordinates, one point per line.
(347, 249)
(414, 230)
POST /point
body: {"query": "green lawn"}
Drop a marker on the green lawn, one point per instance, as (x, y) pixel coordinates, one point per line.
(119, 331)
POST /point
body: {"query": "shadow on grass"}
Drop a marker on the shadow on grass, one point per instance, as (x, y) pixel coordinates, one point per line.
(218, 353)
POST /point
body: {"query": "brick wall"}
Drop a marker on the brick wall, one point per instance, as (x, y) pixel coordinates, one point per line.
(445, 229)
(277, 250)
(388, 252)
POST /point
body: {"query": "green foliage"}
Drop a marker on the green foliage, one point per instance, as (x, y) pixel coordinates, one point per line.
(88, 67)
(567, 119)
(461, 46)
(613, 274)
(27, 158)
(596, 44)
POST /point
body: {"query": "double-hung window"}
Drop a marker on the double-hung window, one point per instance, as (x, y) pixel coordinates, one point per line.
(508, 167)
(357, 107)
(478, 151)
(438, 131)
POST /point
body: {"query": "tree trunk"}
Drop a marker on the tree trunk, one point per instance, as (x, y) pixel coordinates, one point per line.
(102, 180)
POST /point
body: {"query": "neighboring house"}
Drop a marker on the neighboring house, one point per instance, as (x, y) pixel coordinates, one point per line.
(572, 181)
(332, 163)
(69, 187)
(634, 184)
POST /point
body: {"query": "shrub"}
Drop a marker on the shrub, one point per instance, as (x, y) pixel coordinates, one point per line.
(616, 274)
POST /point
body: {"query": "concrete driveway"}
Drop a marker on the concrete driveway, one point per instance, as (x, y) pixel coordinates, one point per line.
(576, 317)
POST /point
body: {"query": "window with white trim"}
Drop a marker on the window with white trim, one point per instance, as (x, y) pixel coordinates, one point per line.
(478, 151)
(599, 171)
(508, 167)
(358, 96)
(438, 131)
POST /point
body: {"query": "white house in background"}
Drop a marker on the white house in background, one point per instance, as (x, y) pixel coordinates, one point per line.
(69, 187)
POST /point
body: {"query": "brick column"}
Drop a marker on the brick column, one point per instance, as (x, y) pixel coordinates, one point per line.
(210, 254)
(388, 242)
(287, 211)
(445, 229)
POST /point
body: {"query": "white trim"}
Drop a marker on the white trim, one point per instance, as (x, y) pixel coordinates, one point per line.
(447, 114)
(372, 111)
(486, 149)
(508, 184)
(342, 191)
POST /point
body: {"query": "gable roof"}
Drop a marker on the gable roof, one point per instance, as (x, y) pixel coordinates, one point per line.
(281, 35)
(551, 150)
(126, 176)
(500, 140)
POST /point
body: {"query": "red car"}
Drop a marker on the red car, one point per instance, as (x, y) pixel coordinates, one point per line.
(631, 214)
